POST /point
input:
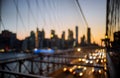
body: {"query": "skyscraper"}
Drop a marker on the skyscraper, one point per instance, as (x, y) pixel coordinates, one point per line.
(32, 40)
(70, 35)
(40, 36)
(88, 36)
(76, 29)
(36, 39)
(63, 40)
(63, 35)
(71, 40)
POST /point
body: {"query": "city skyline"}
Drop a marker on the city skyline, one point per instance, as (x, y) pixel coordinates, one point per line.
(59, 38)
(51, 15)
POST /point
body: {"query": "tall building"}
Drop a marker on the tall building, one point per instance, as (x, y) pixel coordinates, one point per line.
(76, 29)
(83, 43)
(8, 41)
(63, 40)
(70, 39)
(12, 40)
(43, 34)
(40, 36)
(25, 44)
(36, 39)
(70, 35)
(54, 39)
(32, 40)
(63, 35)
(88, 36)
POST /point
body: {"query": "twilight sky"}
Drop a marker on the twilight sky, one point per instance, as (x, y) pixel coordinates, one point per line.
(59, 15)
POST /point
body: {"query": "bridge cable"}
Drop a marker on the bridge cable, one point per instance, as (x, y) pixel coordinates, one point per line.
(83, 16)
(16, 18)
(56, 16)
(1, 22)
(112, 17)
(19, 14)
(40, 11)
(28, 3)
(37, 7)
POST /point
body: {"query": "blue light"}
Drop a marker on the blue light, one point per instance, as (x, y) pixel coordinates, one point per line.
(43, 51)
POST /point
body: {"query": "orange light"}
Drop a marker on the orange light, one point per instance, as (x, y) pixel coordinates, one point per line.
(71, 70)
(64, 69)
(106, 36)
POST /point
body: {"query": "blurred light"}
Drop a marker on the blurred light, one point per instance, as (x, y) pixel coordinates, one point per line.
(91, 62)
(101, 61)
(96, 50)
(106, 36)
(100, 71)
(105, 68)
(51, 36)
(79, 59)
(81, 74)
(87, 61)
(71, 70)
(74, 66)
(85, 68)
(85, 56)
(83, 59)
(104, 60)
(2, 50)
(103, 54)
(94, 57)
(97, 60)
(99, 57)
(79, 66)
(43, 51)
(74, 72)
(64, 69)
(90, 57)
(79, 49)
(92, 69)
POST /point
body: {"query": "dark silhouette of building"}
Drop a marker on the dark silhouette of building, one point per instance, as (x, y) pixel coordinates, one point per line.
(70, 39)
(53, 35)
(47, 43)
(25, 44)
(83, 43)
(70, 34)
(88, 36)
(54, 40)
(76, 29)
(41, 35)
(31, 41)
(9, 42)
(63, 40)
(63, 35)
